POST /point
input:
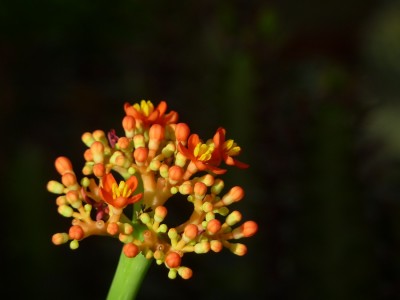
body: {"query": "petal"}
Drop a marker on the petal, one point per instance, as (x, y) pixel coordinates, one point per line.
(193, 141)
(107, 182)
(162, 107)
(219, 137)
(106, 196)
(119, 202)
(135, 198)
(185, 152)
(132, 183)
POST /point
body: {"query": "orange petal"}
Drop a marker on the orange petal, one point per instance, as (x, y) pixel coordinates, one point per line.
(106, 196)
(132, 183)
(162, 107)
(107, 182)
(135, 198)
(193, 141)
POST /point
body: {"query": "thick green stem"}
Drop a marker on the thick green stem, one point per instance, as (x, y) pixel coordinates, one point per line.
(130, 272)
(128, 277)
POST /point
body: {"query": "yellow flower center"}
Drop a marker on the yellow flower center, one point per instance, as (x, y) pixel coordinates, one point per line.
(231, 148)
(145, 107)
(121, 190)
(203, 152)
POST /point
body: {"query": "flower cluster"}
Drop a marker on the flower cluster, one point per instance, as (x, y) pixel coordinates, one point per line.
(156, 158)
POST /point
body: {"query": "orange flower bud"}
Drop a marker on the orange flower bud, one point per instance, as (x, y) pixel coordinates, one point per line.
(160, 213)
(68, 179)
(129, 123)
(175, 174)
(173, 260)
(235, 194)
(191, 231)
(213, 226)
(247, 229)
(131, 250)
(182, 132)
(99, 170)
(76, 232)
(238, 249)
(216, 245)
(60, 238)
(200, 189)
(185, 272)
(140, 155)
(97, 151)
(123, 143)
(63, 165)
(112, 228)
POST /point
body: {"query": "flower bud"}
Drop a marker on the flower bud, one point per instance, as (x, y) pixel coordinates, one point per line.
(63, 165)
(173, 260)
(182, 132)
(131, 250)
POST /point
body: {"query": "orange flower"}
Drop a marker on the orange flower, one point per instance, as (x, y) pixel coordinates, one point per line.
(150, 115)
(118, 196)
(226, 149)
(200, 154)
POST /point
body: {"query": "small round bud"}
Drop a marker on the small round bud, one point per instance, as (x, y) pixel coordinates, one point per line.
(55, 187)
(99, 170)
(191, 231)
(247, 229)
(182, 132)
(207, 207)
(88, 155)
(60, 238)
(173, 260)
(200, 190)
(97, 151)
(68, 179)
(233, 218)
(140, 155)
(74, 244)
(131, 250)
(218, 186)
(156, 134)
(238, 249)
(175, 174)
(235, 194)
(63, 165)
(138, 141)
(145, 218)
(129, 123)
(76, 232)
(213, 226)
(216, 245)
(112, 228)
(160, 213)
(202, 247)
(123, 143)
(185, 272)
(65, 211)
(87, 139)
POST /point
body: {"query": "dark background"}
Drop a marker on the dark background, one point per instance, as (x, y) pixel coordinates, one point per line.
(309, 89)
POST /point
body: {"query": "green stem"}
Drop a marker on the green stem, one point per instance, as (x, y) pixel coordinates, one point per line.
(128, 277)
(130, 272)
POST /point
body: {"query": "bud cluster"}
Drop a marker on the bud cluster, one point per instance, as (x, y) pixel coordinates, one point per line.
(153, 160)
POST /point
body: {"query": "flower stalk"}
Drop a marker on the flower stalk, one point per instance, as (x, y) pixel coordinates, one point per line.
(155, 159)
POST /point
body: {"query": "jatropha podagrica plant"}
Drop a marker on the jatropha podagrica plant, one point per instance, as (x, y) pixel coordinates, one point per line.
(154, 159)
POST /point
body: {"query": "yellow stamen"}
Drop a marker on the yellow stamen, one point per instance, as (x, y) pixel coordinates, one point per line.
(231, 148)
(115, 190)
(203, 152)
(145, 107)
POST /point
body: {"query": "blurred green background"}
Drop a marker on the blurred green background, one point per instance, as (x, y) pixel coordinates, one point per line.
(309, 89)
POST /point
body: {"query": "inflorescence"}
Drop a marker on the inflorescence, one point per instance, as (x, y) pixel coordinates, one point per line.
(156, 158)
